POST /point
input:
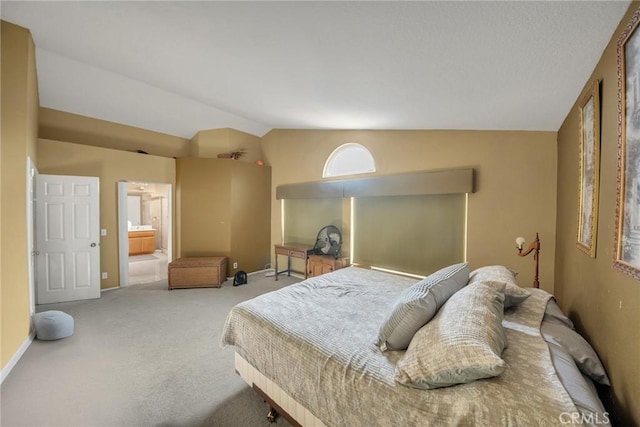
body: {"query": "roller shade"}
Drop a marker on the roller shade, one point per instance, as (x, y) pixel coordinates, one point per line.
(416, 234)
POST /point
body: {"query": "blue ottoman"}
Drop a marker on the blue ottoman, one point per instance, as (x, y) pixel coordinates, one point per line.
(53, 325)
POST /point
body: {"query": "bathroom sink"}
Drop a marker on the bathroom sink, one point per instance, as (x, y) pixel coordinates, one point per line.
(140, 227)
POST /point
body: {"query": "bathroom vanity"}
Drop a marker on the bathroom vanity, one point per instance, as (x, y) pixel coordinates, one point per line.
(142, 242)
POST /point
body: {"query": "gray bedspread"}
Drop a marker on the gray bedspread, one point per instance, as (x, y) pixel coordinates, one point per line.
(315, 339)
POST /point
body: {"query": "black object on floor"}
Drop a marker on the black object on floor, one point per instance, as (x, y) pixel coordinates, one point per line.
(240, 278)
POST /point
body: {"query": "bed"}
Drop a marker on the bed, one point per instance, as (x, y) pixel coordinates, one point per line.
(313, 351)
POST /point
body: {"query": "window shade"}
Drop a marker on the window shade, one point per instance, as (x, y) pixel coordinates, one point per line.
(413, 234)
(303, 218)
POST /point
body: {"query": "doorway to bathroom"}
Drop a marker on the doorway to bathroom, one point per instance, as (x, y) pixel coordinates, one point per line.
(144, 222)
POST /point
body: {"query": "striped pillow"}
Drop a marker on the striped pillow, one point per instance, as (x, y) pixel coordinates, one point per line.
(418, 304)
(463, 342)
(500, 275)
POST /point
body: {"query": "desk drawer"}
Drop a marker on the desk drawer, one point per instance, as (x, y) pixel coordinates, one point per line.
(282, 251)
(298, 254)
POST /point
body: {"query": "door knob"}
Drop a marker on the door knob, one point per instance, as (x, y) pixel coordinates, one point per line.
(93, 245)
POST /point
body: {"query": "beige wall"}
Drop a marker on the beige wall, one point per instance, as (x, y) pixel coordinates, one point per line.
(603, 302)
(62, 126)
(515, 187)
(223, 208)
(204, 206)
(210, 143)
(19, 131)
(111, 166)
(250, 216)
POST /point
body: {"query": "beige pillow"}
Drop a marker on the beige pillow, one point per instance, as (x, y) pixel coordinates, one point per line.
(461, 344)
(501, 275)
(418, 304)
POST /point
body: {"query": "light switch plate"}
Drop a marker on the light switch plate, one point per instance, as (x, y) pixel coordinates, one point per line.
(103, 232)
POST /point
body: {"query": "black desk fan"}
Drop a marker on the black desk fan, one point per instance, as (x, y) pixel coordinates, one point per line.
(328, 242)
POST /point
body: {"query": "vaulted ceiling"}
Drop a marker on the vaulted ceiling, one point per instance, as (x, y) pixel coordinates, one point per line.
(178, 67)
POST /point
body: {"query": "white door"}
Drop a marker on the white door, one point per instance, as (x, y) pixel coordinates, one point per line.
(68, 238)
(32, 172)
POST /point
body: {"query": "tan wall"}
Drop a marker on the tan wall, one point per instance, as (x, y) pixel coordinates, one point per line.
(210, 143)
(250, 216)
(603, 302)
(111, 166)
(62, 126)
(204, 206)
(515, 182)
(19, 130)
(223, 208)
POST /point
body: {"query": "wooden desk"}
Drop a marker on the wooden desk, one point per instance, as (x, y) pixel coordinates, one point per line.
(293, 250)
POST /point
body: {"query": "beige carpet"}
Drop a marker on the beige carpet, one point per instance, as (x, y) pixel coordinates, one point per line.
(140, 356)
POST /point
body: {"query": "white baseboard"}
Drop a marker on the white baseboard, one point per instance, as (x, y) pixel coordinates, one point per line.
(113, 288)
(252, 273)
(292, 274)
(16, 357)
(269, 272)
(259, 272)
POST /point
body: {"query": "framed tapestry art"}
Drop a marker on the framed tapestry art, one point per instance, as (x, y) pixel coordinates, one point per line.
(627, 238)
(589, 170)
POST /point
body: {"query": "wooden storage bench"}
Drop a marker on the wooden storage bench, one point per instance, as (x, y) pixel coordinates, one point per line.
(197, 272)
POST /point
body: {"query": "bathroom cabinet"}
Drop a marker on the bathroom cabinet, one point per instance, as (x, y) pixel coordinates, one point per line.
(142, 242)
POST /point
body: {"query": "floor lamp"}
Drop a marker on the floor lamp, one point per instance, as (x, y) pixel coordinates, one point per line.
(533, 247)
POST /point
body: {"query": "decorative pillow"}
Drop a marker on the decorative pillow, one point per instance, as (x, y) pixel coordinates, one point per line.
(463, 342)
(581, 390)
(500, 274)
(583, 354)
(418, 304)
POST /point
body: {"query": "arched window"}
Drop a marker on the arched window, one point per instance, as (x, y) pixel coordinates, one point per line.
(349, 159)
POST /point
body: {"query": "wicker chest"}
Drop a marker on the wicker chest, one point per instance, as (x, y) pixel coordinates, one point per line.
(197, 272)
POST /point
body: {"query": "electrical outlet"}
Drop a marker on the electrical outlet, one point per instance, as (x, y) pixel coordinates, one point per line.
(235, 265)
(105, 275)
(103, 231)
